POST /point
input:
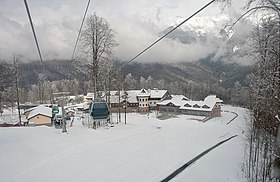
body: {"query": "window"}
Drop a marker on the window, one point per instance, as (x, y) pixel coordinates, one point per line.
(187, 105)
(170, 104)
(205, 106)
(196, 106)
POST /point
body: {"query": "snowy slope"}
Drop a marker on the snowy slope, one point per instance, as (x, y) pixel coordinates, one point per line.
(146, 149)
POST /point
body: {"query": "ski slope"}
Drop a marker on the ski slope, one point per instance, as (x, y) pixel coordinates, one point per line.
(146, 149)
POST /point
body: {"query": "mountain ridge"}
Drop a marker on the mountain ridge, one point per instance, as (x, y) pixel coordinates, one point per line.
(204, 70)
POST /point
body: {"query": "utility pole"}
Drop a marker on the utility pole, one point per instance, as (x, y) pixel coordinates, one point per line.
(119, 89)
(125, 105)
(119, 105)
(63, 116)
(109, 99)
(16, 68)
(62, 95)
(125, 113)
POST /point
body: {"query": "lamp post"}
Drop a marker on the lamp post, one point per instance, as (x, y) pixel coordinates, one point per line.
(125, 105)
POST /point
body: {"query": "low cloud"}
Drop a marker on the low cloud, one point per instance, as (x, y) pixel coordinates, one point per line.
(56, 33)
(137, 25)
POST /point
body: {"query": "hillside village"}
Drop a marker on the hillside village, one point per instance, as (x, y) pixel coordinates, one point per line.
(131, 101)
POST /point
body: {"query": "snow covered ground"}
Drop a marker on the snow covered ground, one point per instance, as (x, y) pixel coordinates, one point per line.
(146, 149)
(9, 116)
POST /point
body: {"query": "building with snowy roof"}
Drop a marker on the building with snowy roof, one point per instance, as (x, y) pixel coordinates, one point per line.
(40, 115)
(209, 107)
(173, 104)
(142, 100)
(89, 96)
(30, 107)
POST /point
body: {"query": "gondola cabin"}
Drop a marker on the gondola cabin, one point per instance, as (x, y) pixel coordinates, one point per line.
(99, 111)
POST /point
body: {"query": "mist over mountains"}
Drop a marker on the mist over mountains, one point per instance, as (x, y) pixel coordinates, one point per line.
(207, 36)
(201, 51)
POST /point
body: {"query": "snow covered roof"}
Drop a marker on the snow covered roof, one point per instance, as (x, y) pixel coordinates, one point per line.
(89, 95)
(32, 108)
(142, 93)
(133, 94)
(181, 101)
(45, 111)
(157, 93)
(197, 106)
(206, 105)
(115, 99)
(177, 100)
(153, 94)
(212, 99)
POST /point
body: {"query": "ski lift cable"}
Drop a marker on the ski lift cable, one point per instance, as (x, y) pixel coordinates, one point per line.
(34, 33)
(80, 30)
(158, 40)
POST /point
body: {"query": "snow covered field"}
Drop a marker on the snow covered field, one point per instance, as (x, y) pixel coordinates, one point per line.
(146, 149)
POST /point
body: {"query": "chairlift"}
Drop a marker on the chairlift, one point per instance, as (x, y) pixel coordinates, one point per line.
(99, 111)
(57, 121)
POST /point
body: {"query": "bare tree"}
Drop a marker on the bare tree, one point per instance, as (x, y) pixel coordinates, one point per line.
(16, 68)
(41, 80)
(10, 82)
(129, 82)
(265, 92)
(263, 136)
(97, 42)
(5, 81)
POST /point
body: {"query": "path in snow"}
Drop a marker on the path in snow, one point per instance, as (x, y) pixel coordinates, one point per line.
(182, 168)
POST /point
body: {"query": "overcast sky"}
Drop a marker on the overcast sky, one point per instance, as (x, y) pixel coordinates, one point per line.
(137, 24)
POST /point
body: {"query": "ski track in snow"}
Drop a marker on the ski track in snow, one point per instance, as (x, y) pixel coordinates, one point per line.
(192, 161)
